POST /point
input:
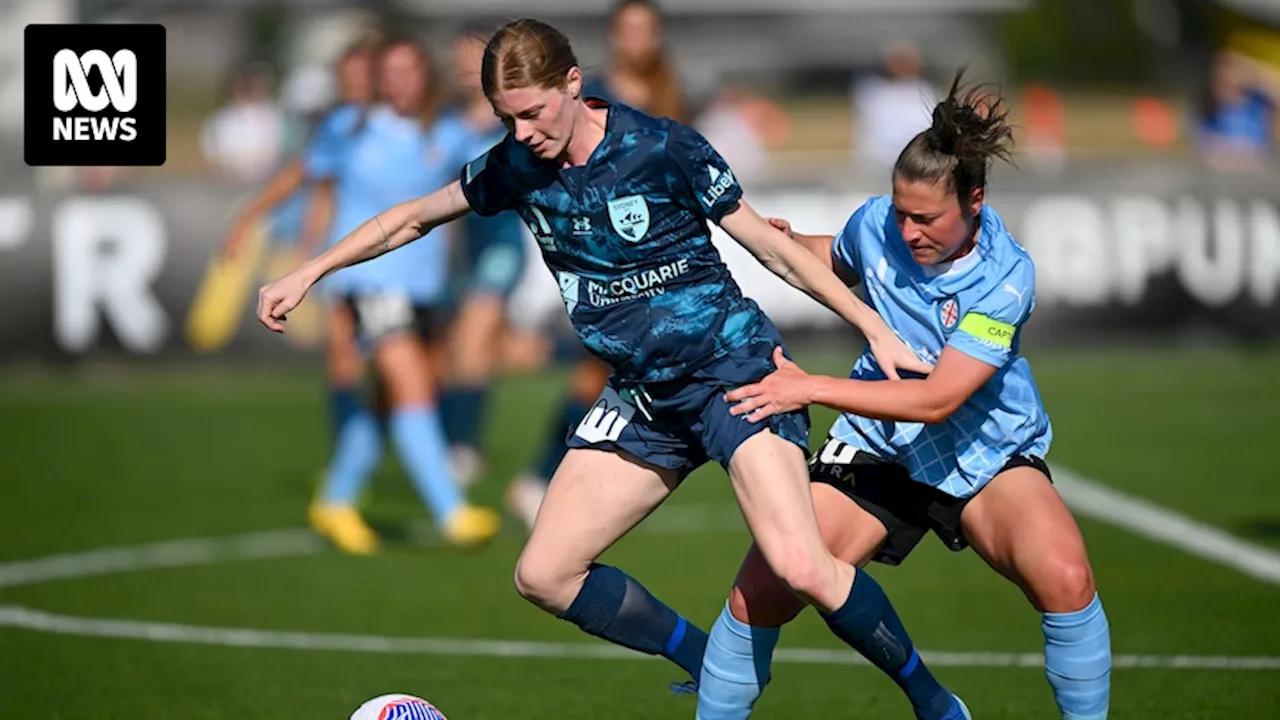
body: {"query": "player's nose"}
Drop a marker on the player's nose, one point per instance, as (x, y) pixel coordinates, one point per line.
(910, 231)
(523, 130)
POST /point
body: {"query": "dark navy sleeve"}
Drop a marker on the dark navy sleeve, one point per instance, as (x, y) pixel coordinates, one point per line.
(487, 181)
(713, 191)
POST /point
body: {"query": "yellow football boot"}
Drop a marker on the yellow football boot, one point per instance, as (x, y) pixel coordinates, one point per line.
(344, 527)
(471, 525)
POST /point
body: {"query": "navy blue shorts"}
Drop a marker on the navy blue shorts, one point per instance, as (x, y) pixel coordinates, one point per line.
(687, 421)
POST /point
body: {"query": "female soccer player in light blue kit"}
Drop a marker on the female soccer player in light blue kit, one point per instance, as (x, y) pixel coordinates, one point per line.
(959, 453)
(391, 152)
(619, 203)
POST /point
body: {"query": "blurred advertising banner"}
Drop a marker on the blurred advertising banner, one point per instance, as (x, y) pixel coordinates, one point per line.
(136, 272)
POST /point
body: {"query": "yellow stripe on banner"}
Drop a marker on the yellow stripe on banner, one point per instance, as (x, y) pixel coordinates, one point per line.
(985, 328)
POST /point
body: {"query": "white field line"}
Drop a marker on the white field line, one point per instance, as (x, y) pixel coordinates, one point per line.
(1085, 496)
(19, 617)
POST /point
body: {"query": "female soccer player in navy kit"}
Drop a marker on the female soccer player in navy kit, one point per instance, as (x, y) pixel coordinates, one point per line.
(959, 453)
(619, 203)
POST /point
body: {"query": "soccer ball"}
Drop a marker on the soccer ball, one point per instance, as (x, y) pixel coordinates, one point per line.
(397, 706)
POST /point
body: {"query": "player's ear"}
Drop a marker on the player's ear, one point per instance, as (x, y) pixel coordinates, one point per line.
(573, 82)
(976, 198)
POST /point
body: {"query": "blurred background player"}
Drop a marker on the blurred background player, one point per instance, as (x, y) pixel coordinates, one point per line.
(891, 107)
(395, 150)
(492, 258)
(639, 74)
(244, 142)
(345, 365)
(245, 139)
(1237, 117)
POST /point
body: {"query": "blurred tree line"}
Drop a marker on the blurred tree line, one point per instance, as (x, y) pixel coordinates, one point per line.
(1107, 43)
(1120, 44)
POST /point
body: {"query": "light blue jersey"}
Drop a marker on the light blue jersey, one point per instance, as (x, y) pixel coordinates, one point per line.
(377, 159)
(977, 305)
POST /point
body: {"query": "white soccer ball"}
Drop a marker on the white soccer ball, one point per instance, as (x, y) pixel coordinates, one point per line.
(398, 706)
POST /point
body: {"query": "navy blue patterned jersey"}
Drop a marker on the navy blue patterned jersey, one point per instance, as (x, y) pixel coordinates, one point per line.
(626, 237)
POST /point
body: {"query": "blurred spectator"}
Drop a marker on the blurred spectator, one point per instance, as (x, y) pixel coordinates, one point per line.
(1237, 123)
(891, 109)
(1046, 129)
(245, 139)
(744, 127)
(639, 72)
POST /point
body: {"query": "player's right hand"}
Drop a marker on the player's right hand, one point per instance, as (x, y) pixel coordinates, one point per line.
(783, 225)
(277, 299)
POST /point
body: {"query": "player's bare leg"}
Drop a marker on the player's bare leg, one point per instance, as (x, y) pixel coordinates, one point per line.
(594, 498)
(407, 366)
(852, 534)
(472, 361)
(356, 439)
(1022, 528)
(526, 491)
(739, 651)
(771, 482)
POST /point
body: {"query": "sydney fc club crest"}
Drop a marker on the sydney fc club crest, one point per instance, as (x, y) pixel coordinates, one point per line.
(630, 217)
(949, 313)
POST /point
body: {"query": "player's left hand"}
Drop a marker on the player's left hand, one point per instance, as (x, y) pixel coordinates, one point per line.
(892, 355)
(784, 390)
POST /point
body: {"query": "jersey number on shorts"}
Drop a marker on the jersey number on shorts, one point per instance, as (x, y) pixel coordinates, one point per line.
(836, 453)
(606, 420)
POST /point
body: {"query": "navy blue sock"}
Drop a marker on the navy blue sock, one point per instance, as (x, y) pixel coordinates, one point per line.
(462, 408)
(553, 448)
(870, 625)
(344, 403)
(614, 607)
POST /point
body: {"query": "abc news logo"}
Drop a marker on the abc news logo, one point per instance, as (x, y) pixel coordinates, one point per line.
(95, 95)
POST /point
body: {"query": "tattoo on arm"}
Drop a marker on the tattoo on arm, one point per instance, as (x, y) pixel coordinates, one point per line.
(386, 240)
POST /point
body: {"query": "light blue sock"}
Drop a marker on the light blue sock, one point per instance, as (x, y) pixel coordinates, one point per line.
(1077, 661)
(734, 668)
(424, 453)
(355, 457)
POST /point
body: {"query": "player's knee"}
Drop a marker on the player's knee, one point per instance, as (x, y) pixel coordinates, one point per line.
(1067, 586)
(542, 584)
(802, 572)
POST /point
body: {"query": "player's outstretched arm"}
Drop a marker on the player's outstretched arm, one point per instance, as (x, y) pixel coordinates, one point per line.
(796, 265)
(819, 246)
(317, 220)
(931, 400)
(283, 184)
(385, 232)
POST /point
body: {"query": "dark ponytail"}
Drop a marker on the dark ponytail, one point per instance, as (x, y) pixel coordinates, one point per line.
(970, 128)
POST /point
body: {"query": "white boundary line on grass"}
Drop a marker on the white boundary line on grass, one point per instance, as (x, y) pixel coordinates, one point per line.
(1154, 522)
(1085, 496)
(19, 617)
